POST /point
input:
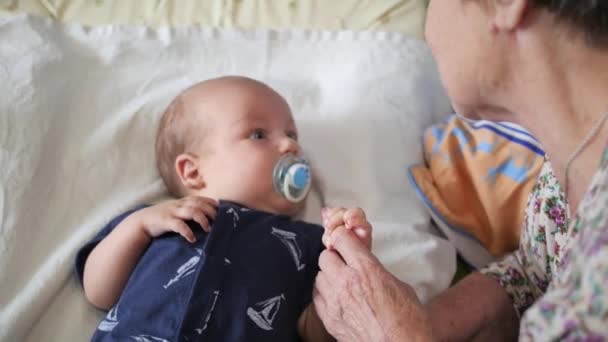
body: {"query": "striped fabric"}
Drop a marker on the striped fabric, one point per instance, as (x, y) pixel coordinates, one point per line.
(475, 182)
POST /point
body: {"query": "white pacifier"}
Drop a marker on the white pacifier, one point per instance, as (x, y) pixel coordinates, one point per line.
(291, 178)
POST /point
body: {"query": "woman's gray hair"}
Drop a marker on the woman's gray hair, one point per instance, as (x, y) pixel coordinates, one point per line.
(587, 16)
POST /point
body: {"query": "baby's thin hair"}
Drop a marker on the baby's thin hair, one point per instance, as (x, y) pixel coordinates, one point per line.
(174, 136)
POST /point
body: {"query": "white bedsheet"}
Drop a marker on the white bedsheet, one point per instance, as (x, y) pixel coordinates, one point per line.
(78, 113)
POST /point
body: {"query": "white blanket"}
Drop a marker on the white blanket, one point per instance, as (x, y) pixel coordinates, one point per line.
(78, 113)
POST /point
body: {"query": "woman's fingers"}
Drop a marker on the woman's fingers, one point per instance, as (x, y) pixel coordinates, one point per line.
(364, 234)
(319, 291)
(363, 230)
(326, 238)
(350, 248)
(359, 300)
(324, 288)
(331, 262)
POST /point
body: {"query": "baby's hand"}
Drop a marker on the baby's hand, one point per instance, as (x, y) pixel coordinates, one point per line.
(169, 216)
(352, 219)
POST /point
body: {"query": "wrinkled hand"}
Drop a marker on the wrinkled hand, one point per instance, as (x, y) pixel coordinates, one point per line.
(352, 219)
(359, 300)
(169, 216)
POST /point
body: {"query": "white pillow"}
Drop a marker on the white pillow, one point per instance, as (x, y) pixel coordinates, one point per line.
(79, 110)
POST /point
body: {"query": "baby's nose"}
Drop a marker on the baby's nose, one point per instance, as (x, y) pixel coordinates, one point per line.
(289, 145)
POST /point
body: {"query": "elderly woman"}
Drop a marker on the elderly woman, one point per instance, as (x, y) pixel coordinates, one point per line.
(542, 64)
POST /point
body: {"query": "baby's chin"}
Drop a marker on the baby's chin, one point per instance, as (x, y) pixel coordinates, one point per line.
(273, 203)
(284, 207)
(281, 206)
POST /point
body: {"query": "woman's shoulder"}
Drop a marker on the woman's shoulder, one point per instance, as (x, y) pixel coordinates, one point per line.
(547, 202)
(593, 206)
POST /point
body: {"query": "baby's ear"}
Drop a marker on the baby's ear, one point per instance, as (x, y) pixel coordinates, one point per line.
(187, 168)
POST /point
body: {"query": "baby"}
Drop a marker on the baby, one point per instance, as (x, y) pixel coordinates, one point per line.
(226, 261)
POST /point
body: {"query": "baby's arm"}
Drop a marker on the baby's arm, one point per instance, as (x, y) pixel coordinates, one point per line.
(310, 326)
(108, 267)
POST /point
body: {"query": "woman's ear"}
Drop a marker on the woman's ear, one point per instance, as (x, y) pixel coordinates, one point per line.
(509, 14)
(189, 171)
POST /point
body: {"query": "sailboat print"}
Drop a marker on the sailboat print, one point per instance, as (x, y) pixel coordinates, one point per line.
(186, 269)
(266, 312)
(148, 338)
(289, 240)
(235, 216)
(110, 321)
(216, 293)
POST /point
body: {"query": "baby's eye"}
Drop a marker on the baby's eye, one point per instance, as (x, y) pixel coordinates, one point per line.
(292, 135)
(257, 134)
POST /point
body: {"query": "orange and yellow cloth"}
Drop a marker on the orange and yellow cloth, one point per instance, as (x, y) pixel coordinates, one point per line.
(477, 178)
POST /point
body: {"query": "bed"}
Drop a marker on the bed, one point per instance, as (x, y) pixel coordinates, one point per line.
(405, 16)
(84, 83)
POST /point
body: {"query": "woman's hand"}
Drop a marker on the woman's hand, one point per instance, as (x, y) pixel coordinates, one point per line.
(359, 300)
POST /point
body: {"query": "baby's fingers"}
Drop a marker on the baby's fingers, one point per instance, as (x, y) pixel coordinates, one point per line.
(333, 217)
(193, 213)
(327, 240)
(354, 217)
(360, 223)
(200, 218)
(182, 229)
(356, 221)
(207, 205)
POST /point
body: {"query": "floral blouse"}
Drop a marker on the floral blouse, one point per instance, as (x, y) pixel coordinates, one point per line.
(558, 279)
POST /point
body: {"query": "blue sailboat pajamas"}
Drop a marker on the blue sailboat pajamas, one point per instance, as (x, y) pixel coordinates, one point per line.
(248, 279)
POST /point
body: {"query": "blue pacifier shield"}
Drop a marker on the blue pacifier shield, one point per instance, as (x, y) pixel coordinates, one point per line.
(291, 178)
(301, 177)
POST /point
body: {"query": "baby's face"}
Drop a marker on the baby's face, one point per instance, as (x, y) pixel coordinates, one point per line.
(248, 131)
